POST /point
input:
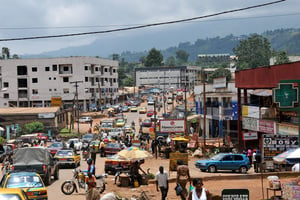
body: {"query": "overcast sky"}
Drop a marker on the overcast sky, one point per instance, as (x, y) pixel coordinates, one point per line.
(30, 18)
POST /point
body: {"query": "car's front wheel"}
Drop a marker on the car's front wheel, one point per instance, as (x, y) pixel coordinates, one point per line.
(212, 169)
(243, 169)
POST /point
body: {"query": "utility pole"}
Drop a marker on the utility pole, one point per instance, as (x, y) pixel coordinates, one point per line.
(99, 88)
(204, 110)
(185, 108)
(164, 100)
(77, 104)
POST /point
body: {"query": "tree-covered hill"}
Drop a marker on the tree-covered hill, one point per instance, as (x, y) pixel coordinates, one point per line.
(281, 39)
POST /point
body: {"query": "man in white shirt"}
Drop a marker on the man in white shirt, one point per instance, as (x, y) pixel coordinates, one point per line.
(295, 167)
(162, 182)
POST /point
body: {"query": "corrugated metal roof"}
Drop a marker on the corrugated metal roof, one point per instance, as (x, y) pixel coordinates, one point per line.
(28, 110)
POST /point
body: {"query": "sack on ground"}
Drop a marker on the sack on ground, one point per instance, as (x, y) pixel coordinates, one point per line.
(178, 189)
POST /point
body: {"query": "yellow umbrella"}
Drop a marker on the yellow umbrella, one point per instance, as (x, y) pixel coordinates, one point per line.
(134, 153)
(110, 109)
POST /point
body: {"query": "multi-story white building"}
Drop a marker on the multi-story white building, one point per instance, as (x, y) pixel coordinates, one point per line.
(34, 82)
(166, 77)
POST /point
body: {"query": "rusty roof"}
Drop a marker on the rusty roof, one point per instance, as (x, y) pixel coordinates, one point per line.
(28, 110)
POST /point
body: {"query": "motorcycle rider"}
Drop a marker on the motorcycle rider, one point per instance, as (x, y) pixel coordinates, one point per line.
(91, 167)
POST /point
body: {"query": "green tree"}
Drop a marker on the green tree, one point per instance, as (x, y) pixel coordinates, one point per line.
(5, 53)
(170, 61)
(220, 72)
(115, 56)
(281, 57)
(182, 57)
(154, 58)
(33, 127)
(253, 52)
(129, 82)
(121, 76)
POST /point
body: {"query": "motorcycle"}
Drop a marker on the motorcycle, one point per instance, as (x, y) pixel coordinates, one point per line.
(78, 181)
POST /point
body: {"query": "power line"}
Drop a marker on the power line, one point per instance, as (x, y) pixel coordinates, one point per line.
(142, 26)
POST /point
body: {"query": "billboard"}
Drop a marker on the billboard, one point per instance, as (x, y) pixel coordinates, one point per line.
(56, 102)
(172, 126)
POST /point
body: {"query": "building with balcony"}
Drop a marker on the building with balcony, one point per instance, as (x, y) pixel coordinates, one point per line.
(167, 77)
(35, 82)
(220, 106)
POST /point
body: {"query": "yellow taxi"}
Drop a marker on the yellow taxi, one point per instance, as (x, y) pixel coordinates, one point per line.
(133, 109)
(12, 193)
(120, 122)
(67, 157)
(30, 182)
(143, 110)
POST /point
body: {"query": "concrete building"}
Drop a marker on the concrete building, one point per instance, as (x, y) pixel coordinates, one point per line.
(221, 108)
(34, 82)
(167, 77)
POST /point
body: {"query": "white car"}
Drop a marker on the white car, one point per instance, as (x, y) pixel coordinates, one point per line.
(116, 132)
(85, 119)
(77, 143)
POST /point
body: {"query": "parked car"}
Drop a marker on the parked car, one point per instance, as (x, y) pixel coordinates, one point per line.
(150, 102)
(116, 132)
(112, 148)
(88, 137)
(85, 119)
(77, 143)
(147, 123)
(133, 109)
(225, 161)
(13, 193)
(94, 145)
(67, 157)
(30, 182)
(125, 109)
(42, 136)
(150, 113)
(120, 122)
(54, 147)
(143, 110)
(37, 159)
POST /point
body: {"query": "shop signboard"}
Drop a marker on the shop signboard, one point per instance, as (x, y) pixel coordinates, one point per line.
(250, 111)
(250, 136)
(177, 156)
(172, 126)
(276, 144)
(250, 124)
(284, 129)
(267, 126)
(235, 194)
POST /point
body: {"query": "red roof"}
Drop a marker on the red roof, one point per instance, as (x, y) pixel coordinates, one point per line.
(266, 77)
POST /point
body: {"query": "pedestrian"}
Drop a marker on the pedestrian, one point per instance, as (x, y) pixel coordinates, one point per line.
(162, 182)
(102, 146)
(93, 153)
(199, 192)
(183, 177)
(92, 192)
(249, 155)
(254, 160)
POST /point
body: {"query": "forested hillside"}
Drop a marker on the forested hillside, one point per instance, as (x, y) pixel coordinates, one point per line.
(281, 39)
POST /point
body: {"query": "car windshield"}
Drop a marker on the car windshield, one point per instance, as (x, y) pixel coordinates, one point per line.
(87, 136)
(24, 181)
(56, 145)
(120, 120)
(64, 153)
(113, 145)
(217, 157)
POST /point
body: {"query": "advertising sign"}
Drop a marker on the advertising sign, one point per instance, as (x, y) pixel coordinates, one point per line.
(276, 144)
(219, 82)
(284, 129)
(172, 126)
(250, 124)
(235, 194)
(250, 111)
(250, 136)
(56, 101)
(267, 126)
(177, 156)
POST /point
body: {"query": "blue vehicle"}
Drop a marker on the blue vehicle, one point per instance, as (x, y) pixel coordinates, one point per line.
(225, 161)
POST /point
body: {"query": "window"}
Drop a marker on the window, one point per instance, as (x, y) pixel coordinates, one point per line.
(66, 79)
(50, 90)
(238, 157)
(49, 78)
(86, 68)
(54, 78)
(105, 69)
(227, 158)
(47, 69)
(6, 96)
(54, 67)
(35, 91)
(34, 80)
(34, 69)
(86, 79)
(5, 84)
(97, 69)
(66, 90)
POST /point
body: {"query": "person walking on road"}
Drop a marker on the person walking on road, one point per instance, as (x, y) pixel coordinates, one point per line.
(162, 182)
(199, 192)
(183, 177)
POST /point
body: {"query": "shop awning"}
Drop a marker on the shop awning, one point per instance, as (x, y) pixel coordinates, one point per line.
(261, 92)
(192, 118)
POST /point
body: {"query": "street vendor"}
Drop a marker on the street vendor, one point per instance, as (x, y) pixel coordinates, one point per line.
(134, 172)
